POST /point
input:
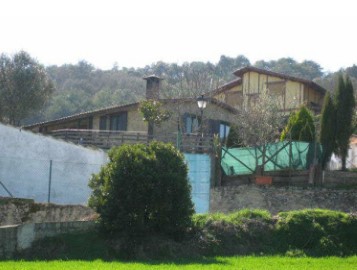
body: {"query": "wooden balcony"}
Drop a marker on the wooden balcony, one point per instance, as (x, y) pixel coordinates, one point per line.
(105, 139)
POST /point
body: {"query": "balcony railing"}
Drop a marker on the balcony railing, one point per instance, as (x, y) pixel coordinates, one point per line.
(106, 139)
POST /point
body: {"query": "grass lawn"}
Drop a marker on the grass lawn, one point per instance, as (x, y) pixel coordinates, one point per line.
(236, 263)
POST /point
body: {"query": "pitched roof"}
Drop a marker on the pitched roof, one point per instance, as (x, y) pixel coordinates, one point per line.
(106, 110)
(119, 108)
(312, 84)
(225, 87)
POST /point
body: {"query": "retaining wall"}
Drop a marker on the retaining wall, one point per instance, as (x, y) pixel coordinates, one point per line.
(276, 199)
(18, 237)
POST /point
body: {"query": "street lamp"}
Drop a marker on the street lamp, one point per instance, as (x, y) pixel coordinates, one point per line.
(201, 103)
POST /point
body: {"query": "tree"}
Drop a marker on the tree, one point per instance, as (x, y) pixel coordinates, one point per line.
(24, 87)
(327, 129)
(144, 189)
(234, 139)
(345, 103)
(153, 114)
(300, 126)
(306, 69)
(259, 122)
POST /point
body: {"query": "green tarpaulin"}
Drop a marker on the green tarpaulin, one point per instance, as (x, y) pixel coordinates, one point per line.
(279, 156)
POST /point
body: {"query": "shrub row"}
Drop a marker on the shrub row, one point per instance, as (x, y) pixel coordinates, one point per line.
(314, 232)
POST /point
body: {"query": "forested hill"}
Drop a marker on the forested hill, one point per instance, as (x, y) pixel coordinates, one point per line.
(82, 87)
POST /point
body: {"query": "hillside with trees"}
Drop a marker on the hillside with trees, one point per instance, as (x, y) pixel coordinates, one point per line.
(82, 87)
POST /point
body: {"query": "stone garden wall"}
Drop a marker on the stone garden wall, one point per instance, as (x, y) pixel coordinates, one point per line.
(277, 199)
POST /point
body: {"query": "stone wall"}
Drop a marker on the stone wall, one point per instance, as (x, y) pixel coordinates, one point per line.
(339, 178)
(18, 237)
(277, 199)
(18, 211)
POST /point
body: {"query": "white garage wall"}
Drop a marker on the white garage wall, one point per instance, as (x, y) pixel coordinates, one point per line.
(25, 167)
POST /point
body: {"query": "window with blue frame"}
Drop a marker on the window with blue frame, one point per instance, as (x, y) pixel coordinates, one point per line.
(223, 130)
(191, 123)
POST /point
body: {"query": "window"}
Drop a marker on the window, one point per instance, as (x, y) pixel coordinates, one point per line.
(119, 121)
(191, 123)
(85, 123)
(223, 130)
(103, 122)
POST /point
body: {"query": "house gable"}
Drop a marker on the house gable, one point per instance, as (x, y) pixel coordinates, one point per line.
(290, 92)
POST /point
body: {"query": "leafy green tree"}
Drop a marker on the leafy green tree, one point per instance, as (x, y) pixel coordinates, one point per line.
(143, 189)
(327, 129)
(153, 113)
(300, 126)
(24, 87)
(345, 104)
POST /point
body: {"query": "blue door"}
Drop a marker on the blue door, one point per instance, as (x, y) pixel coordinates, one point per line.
(199, 166)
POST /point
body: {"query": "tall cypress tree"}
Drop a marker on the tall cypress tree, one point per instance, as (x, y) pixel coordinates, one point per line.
(328, 128)
(345, 103)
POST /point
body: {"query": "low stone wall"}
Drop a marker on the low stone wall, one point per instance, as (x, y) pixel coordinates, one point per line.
(296, 178)
(339, 178)
(18, 211)
(277, 199)
(18, 237)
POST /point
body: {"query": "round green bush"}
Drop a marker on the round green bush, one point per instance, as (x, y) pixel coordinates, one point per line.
(143, 189)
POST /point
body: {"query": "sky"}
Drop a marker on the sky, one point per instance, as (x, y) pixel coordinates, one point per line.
(135, 33)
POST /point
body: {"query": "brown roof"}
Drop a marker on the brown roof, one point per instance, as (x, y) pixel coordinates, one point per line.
(312, 84)
(85, 114)
(119, 108)
(225, 87)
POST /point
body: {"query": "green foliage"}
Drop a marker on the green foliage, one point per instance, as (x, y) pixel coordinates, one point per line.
(344, 104)
(307, 69)
(235, 218)
(143, 189)
(328, 129)
(311, 232)
(24, 87)
(300, 125)
(234, 139)
(317, 232)
(152, 112)
(255, 262)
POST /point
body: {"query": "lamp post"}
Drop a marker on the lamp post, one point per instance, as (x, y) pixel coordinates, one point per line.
(201, 103)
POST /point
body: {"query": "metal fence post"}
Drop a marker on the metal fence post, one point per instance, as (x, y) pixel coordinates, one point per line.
(49, 182)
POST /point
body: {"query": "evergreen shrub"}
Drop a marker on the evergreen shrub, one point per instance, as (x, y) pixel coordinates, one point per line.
(144, 189)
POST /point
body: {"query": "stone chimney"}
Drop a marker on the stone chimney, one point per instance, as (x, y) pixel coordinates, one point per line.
(152, 87)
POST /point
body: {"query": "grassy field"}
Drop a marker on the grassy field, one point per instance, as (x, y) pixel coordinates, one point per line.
(236, 263)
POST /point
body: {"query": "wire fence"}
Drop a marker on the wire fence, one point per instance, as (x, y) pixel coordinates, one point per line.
(46, 180)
